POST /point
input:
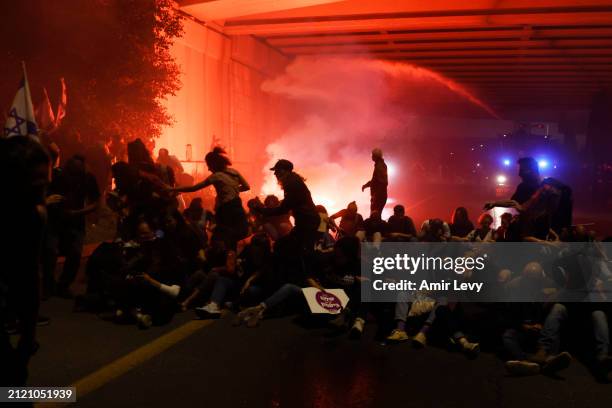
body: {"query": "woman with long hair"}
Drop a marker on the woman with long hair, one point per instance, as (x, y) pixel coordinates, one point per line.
(460, 223)
(230, 217)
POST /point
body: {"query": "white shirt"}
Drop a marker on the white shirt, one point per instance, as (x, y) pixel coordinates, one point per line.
(227, 184)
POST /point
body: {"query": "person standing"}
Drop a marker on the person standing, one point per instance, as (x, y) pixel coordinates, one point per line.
(230, 217)
(378, 184)
(294, 253)
(530, 183)
(164, 158)
(298, 202)
(73, 194)
(24, 174)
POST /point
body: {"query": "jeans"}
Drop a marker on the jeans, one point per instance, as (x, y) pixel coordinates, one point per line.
(601, 333)
(253, 295)
(402, 306)
(285, 292)
(224, 286)
(446, 318)
(358, 309)
(551, 332)
(513, 341)
(404, 303)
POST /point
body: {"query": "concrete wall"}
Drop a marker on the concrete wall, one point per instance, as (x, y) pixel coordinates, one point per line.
(221, 97)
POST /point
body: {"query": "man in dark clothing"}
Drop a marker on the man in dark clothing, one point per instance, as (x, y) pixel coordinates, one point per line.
(542, 204)
(297, 200)
(351, 222)
(294, 252)
(400, 226)
(99, 163)
(24, 172)
(378, 183)
(375, 227)
(48, 279)
(530, 183)
(73, 194)
(530, 180)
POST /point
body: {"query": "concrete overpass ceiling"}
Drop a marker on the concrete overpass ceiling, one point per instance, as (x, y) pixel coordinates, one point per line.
(528, 53)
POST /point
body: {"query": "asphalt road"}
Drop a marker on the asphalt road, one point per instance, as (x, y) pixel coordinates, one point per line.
(279, 364)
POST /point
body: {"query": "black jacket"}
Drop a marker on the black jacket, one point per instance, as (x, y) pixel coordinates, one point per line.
(299, 202)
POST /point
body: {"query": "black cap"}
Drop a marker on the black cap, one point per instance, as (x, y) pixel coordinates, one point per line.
(283, 164)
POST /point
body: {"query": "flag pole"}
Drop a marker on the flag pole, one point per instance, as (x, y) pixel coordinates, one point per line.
(25, 86)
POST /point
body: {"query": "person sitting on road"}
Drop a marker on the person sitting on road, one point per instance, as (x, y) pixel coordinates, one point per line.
(400, 226)
(351, 222)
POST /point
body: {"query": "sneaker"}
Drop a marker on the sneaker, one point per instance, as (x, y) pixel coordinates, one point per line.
(171, 290)
(210, 311)
(42, 321)
(11, 327)
(357, 329)
(471, 350)
(420, 340)
(243, 316)
(255, 317)
(522, 368)
(539, 356)
(398, 336)
(143, 321)
(239, 318)
(557, 363)
(120, 317)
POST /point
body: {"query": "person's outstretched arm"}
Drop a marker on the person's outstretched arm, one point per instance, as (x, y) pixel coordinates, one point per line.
(190, 189)
(502, 203)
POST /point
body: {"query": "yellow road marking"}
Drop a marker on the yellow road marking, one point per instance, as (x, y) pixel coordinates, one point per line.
(130, 361)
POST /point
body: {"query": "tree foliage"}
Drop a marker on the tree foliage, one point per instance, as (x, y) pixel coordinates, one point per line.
(114, 54)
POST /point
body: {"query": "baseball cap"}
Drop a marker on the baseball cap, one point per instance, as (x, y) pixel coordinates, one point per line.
(283, 164)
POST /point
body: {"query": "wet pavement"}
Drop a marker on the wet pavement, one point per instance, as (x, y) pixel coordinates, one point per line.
(283, 364)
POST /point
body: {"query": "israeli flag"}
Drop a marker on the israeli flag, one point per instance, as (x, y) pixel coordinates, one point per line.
(21, 121)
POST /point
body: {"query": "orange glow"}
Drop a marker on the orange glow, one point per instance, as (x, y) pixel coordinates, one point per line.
(348, 107)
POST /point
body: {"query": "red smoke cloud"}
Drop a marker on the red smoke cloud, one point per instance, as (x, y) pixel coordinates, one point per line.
(346, 108)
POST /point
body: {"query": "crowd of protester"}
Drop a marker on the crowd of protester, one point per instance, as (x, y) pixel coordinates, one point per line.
(253, 259)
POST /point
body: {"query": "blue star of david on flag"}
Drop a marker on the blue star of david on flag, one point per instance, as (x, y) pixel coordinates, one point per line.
(20, 120)
(15, 130)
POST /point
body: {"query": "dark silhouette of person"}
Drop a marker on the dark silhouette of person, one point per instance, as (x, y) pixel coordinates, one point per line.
(461, 225)
(544, 206)
(400, 227)
(164, 158)
(378, 183)
(24, 174)
(530, 180)
(231, 219)
(298, 201)
(530, 183)
(73, 193)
